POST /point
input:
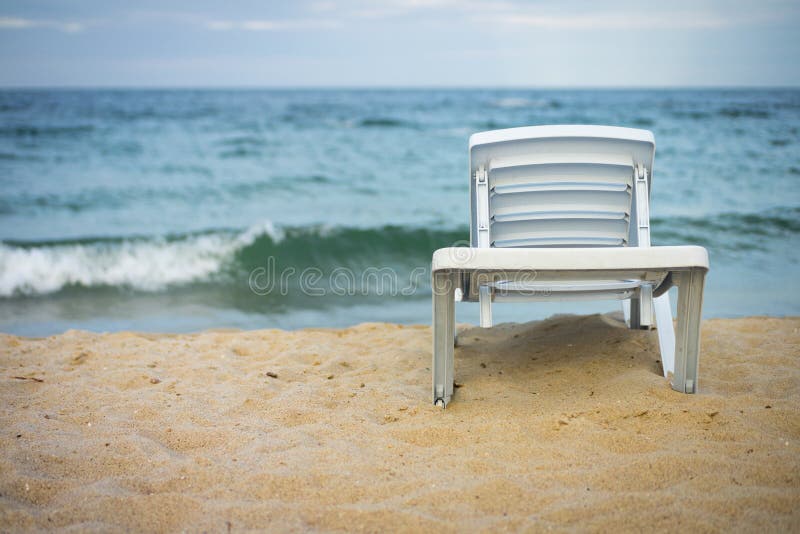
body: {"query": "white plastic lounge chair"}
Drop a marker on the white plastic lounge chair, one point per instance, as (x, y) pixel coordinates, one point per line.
(562, 212)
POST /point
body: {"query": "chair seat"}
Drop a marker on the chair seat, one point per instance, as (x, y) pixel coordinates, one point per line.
(588, 262)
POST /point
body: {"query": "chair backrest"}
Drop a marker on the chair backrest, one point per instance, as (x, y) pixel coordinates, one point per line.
(559, 186)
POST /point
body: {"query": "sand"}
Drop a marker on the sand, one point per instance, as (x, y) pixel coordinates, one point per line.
(564, 424)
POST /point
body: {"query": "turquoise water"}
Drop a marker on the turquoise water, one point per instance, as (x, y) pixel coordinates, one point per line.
(150, 210)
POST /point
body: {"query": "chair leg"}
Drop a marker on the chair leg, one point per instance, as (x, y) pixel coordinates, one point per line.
(641, 309)
(687, 342)
(634, 315)
(666, 332)
(485, 299)
(646, 306)
(443, 337)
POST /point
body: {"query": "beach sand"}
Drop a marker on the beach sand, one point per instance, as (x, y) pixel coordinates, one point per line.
(565, 424)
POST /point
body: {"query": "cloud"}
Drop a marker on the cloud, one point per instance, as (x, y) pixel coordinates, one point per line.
(510, 14)
(16, 23)
(259, 25)
(618, 21)
(324, 6)
(397, 8)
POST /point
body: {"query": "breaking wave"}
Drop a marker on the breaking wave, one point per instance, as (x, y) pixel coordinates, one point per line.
(223, 257)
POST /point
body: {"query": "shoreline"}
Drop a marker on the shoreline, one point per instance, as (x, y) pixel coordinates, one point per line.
(561, 423)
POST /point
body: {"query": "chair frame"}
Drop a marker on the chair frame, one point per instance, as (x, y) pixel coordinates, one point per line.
(474, 272)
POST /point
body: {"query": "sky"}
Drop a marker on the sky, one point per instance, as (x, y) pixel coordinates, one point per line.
(399, 43)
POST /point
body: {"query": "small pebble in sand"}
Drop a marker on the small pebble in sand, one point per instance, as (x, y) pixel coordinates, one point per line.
(330, 377)
(154, 380)
(272, 375)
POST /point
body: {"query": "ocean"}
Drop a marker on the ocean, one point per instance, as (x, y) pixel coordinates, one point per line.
(183, 210)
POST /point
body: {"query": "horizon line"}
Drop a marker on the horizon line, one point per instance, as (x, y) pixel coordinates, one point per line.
(356, 87)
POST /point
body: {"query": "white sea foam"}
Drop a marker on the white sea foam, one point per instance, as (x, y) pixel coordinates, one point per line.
(142, 264)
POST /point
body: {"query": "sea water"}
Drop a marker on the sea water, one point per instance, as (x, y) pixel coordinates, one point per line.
(179, 210)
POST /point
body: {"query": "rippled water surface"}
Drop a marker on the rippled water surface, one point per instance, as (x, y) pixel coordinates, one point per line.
(150, 209)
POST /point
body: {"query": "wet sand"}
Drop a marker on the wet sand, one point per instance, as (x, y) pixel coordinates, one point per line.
(563, 424)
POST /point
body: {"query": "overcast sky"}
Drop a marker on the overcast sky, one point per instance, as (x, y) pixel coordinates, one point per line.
(399, 43)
